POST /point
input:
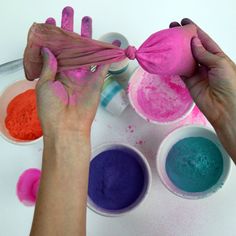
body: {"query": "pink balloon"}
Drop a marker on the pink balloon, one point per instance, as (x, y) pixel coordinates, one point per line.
(167, 52)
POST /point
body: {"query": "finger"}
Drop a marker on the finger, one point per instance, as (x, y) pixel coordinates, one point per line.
(50, 21)
(67, 19)
(174, 24)
(206, 40)
(86, 27)
(202, 56)
(49, 66)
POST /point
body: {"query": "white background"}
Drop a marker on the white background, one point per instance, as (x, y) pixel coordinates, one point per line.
(163, 214)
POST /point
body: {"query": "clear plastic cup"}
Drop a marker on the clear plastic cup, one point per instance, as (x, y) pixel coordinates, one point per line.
(171, 140)
(147, 185)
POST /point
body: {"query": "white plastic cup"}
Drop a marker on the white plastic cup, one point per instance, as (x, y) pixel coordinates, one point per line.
(113, 97)
(177, 135)
(118, 67)
(8, 94)
(134, 81)
(147, 173)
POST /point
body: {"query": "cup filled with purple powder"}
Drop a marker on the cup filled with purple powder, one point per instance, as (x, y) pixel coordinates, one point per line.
(192, 163)
(119, 179)
(159, 99)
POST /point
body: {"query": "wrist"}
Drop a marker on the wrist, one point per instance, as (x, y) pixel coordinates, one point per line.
(67, 144)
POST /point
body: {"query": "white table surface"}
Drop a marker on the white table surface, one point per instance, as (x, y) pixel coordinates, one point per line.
(162, 214)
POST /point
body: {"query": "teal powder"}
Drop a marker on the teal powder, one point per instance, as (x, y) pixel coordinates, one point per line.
(194, 164)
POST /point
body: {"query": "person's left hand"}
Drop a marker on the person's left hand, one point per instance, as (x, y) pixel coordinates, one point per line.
(68, 101)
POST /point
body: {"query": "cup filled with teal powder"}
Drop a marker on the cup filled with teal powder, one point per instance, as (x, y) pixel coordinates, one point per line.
(192, 163)
(119, 179)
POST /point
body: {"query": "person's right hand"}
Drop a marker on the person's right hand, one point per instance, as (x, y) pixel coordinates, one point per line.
(213, 86)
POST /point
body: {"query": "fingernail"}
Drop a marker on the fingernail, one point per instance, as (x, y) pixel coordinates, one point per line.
(86, 19)
(68, 10)
(186, 21)
(45, 52)
(51, 21)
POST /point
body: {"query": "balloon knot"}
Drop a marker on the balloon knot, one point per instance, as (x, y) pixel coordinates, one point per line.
(130, 52)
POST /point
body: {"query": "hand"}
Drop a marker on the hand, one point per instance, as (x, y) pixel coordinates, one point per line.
(68, 101)
(67, 104)
(213, 86)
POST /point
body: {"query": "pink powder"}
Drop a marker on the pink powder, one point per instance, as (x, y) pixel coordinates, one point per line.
(67, 20)
(196, 117)
(60, 91)
(140, 142)
(159, 98)
(130, 129)
(86, 27)
(27, 186)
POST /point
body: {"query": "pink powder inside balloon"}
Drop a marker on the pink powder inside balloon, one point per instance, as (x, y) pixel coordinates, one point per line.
(159, 98)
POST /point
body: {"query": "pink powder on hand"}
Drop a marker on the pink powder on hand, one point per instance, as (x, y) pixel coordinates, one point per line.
(159, 98)
(27, 186)
(67, 20)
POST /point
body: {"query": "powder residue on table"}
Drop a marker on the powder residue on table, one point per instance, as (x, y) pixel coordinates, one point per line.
(164, 98)
(116, 179)
(194, 164)
(196, 117)
(28, 185)
(22, 119)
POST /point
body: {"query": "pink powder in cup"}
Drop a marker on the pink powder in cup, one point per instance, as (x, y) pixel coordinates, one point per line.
(159, 99)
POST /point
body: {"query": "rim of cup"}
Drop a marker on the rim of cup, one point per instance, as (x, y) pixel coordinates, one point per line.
(146, 189)
(108, 35)
(133, 76)
(6, 96)
(171, 139)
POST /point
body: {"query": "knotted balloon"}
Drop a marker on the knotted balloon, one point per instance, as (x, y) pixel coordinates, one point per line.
(167, 52)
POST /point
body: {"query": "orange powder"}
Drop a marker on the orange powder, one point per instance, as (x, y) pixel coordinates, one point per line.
(22, 119)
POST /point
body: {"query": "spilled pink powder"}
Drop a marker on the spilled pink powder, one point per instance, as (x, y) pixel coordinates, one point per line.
(27, 186)
(130, 129)
(196, 117)
(140, 142)
(162, 98)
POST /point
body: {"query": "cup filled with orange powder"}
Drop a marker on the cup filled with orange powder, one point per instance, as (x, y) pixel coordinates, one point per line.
(19, 122)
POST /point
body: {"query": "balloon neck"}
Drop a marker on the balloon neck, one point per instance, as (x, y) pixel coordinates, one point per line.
(130, 52)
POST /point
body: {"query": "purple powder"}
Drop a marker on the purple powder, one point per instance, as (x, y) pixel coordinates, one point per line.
(116, 179)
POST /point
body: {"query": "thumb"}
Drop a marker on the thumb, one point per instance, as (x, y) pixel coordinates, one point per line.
(202, 56)
(49, 69)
